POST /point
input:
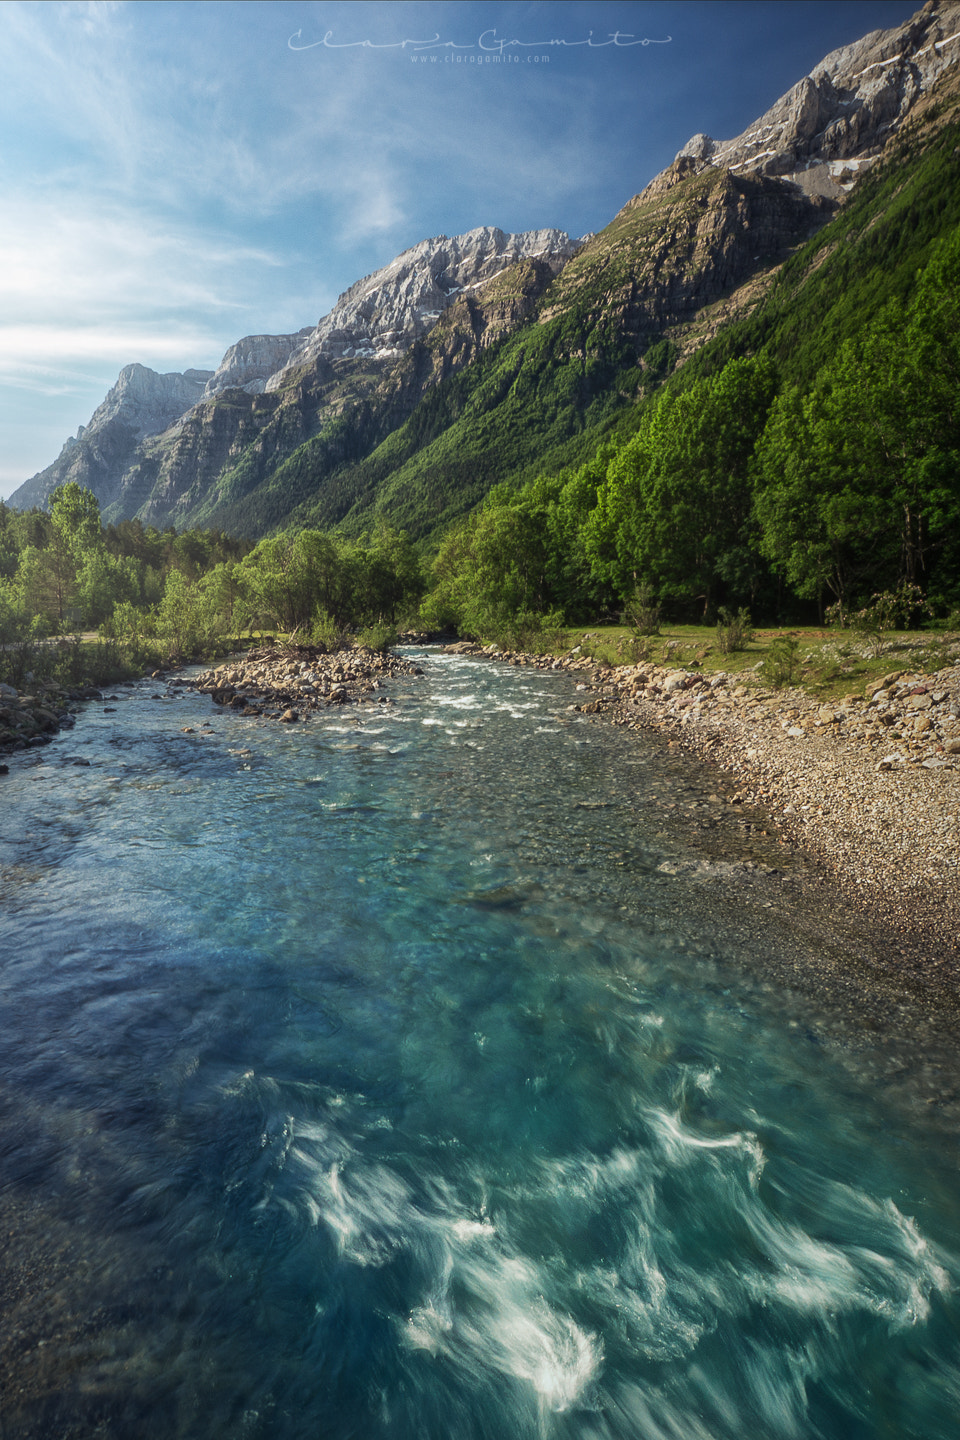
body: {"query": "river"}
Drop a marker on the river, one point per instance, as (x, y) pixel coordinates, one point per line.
(455, 1068)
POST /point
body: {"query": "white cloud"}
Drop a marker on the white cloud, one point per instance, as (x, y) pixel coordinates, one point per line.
(95, 280)
(65, 263)
(32, 353)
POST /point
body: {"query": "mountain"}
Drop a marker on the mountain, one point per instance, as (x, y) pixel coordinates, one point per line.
(141, 403)
(488, 357)
(209, 418)
(836, 121)
(380, 317)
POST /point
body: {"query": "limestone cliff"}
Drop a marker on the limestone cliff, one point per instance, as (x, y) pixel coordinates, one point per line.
(141, 403)
(249, 363)
(476, 320)
(836, 120)
(382, 315)
(674, 249)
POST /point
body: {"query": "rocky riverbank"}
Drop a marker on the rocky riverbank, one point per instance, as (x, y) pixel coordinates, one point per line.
(868, 787)
(278, 682)
(287, 682)
(31, 718)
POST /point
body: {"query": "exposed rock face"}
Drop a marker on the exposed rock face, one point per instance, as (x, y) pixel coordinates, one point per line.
(249, 364)
(146, 401)
(677, 247)
(475, 320)
(381, 316)
(141, 403)
(837, 119)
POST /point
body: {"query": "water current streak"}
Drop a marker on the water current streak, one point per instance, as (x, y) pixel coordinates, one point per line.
(412, 1073)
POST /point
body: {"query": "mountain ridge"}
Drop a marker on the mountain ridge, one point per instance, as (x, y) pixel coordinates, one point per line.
(376, 319)
(601, 317)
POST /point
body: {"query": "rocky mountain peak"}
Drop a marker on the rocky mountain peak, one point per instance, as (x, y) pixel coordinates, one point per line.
(148, 402)
(383, 314)
(141, 403)
(836, 120)
(249, 363)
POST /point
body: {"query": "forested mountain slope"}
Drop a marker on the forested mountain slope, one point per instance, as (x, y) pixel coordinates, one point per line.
(520, 354)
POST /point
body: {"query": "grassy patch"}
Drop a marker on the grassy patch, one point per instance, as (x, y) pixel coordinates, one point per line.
(829, 663)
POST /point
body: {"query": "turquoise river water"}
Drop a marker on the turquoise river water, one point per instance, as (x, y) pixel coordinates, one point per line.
(449, 1069)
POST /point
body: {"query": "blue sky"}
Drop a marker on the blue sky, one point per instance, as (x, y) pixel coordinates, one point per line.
(177, 174)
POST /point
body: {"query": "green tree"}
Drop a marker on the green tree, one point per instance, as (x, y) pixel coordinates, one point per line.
(179, 618)
(75, 517)
(675, 508)
(103, 581)
(492, 568)
(74, 535)
(813, 521)
(223, 607)
(286, 578)
(387, 576)
(858, 479)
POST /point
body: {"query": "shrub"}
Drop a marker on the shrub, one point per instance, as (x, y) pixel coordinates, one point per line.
(781, 664)
(733, 631)
(888, 610)
(634, 648)
(642, 611)
(533, 633)
(378, 637)
(327, 633)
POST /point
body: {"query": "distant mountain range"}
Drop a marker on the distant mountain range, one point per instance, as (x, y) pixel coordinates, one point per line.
(485, 357)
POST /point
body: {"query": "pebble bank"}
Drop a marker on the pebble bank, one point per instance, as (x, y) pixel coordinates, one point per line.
(31, 718)
(868, 787)
(286, 683)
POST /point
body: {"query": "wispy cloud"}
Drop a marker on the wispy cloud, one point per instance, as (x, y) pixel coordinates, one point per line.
(97, 260)
(52, 352)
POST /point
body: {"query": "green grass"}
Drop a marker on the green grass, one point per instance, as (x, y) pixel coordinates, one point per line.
(831, 665)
